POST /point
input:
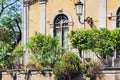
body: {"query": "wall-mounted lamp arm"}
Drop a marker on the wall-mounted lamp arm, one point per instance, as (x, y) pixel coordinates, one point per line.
(79, 19)
(89, 21)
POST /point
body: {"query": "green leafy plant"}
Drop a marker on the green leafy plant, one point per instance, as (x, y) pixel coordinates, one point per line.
(7, 58)
(81, 39)
(90, 69)
(116, 38)
(17, 52)
(10, 21)
(100, 41)
(3, 53)
(67, 67)
(44, 48)
(103, 42)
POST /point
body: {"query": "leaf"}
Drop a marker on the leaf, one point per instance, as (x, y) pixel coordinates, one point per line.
(46, 47)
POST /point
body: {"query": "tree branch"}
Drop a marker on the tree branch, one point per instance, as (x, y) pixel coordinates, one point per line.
(17, 22)
(12, 28)
(20, 33)
(2, 5)
(3, 8)
(100, 58)
(17, 39)
(10, 4)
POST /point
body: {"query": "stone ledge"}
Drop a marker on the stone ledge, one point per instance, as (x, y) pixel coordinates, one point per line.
(22, 71)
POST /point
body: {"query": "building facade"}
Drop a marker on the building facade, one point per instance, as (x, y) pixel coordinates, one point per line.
(46, 15)
(57, 17)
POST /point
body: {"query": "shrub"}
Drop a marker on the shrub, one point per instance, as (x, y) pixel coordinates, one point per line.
(67, 67)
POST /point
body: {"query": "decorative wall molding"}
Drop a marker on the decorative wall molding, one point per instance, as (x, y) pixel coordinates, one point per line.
(114, 14)
(42, 18)
(61, 11)
(102, 14)
(42, 1)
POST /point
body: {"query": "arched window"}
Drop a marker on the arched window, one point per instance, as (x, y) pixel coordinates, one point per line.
(118, 18)
(60, 29)
(118, 25)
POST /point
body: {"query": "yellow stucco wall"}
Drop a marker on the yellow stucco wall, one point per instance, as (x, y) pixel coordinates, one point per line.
(91, 9)
(53, 6)
(112, 6)
(33, 18)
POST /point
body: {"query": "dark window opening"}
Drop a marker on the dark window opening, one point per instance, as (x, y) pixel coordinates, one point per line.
(60, 28)
(118, 18)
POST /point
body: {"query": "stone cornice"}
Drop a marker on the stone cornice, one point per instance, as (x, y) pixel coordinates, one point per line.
(32, 1)
(42, 0)
(27, 1)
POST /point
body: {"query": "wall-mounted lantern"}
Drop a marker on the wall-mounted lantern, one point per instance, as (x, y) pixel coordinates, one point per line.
(79, 10)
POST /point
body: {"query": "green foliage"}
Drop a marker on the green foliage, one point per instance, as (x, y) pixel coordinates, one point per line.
(81, 39)
(44, 48)
(5, 36)
(8, 6)
(17, 52)
(18, 49)
(98, 40)
(34, 61)
(7, 57)
(116, 38)
(3, 53)
(10, 20)
(68, 66)
(90, 69)
(103, 42)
